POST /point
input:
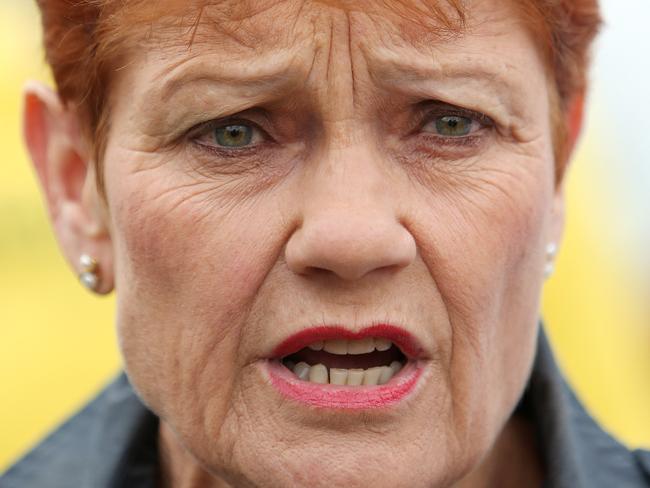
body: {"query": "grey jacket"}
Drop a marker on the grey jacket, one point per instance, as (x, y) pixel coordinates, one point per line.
(112, 442)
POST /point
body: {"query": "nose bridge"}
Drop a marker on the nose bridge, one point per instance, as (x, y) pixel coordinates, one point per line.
(350, 218)
(349, 174)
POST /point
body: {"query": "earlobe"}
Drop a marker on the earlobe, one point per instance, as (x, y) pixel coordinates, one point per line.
(556, 231)
(60, 156)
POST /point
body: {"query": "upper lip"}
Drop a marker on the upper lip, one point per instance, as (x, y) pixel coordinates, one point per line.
(399, 336)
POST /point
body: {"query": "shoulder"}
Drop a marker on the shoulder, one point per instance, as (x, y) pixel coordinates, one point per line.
(606, 461)
(577, 451)
(87, 449)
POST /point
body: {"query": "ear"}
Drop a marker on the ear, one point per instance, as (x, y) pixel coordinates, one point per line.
(573, 121)
(62, 159)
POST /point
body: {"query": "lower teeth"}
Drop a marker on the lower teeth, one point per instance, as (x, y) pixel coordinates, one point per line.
(319, 373)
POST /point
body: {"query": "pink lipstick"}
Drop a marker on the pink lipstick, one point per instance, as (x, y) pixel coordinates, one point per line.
(333, 367)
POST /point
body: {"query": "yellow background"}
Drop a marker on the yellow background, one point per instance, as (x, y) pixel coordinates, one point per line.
(57, 344)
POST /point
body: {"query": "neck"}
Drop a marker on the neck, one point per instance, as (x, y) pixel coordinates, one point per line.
(513, 462)
(178, 468)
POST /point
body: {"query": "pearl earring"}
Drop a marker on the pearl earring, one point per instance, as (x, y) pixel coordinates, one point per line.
(88, 275)
(551, 252)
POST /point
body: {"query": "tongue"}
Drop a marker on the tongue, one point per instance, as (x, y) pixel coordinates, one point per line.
(347, 361)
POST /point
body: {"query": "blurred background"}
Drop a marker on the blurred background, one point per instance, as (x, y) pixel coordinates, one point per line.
(58, 347)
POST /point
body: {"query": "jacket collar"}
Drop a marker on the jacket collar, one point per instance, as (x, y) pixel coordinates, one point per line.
(577, 453)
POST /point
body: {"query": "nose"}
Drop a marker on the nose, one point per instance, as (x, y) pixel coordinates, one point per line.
(350, 225)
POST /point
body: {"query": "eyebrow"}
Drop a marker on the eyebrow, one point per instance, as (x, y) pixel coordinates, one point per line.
(400, 74)
(389, 70)
(265, 75)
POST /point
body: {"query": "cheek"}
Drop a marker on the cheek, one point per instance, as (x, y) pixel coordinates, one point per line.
(482, 234)
(485, 253)
(188, 268)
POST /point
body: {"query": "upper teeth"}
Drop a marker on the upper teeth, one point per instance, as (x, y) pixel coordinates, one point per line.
(319, 373)
(345, 346)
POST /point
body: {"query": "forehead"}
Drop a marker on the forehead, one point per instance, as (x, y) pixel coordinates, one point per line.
(177, 30)
(258, 25)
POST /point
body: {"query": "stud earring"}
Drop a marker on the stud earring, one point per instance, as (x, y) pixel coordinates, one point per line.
(551, 252)
(88, 275)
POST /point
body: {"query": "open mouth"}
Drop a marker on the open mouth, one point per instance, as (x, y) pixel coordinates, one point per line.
(334, 367)
(368, 361)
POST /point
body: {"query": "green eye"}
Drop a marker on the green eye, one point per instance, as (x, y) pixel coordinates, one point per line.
(453, 126)
(234, 135)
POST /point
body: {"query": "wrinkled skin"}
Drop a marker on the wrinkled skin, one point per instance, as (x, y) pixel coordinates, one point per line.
(347, 207)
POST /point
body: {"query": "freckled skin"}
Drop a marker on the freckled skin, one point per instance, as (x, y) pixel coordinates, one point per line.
(349, 215)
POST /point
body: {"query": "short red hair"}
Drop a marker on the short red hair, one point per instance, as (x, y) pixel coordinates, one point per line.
(83, 43)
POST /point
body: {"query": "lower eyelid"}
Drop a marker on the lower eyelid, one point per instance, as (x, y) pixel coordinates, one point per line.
(211, 151)
(468, 140)
(436, 144)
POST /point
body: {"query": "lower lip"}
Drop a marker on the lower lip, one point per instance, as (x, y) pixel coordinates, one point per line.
(344, 397)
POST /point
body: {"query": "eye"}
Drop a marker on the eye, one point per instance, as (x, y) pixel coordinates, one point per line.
(236, 135)
(452, 125)
(229, 136)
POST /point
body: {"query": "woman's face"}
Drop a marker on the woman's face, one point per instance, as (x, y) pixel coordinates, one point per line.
(310, 165)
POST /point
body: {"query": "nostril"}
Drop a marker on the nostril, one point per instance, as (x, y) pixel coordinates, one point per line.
(315, 271)
(349, 274)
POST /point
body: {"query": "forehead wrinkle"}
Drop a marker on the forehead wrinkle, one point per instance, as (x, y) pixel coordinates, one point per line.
(407, 56)
(205, 23)
(242, 29)
(237, 19)
(251, 26)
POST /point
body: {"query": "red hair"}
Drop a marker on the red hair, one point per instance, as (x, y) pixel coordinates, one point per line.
(84, 40)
